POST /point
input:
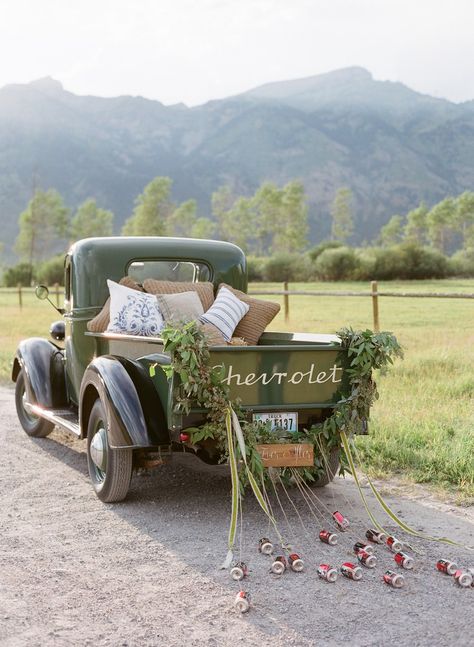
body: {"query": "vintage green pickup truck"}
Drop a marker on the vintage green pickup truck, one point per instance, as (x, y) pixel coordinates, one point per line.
(97, 385)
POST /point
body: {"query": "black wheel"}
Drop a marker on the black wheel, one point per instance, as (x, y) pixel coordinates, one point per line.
(331, 468)
(110, 469)
(34, 426)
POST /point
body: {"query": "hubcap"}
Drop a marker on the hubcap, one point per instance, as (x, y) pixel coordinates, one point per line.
(98, 451)
(27, 408)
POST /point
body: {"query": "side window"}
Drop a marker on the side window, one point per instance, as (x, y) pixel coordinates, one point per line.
(168, 271)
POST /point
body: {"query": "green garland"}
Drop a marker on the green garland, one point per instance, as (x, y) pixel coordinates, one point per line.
(201, 385)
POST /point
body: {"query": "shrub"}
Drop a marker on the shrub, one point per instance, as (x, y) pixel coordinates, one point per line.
(255, 268)
(336, 264)
(365, 268)
(23, 273)
(287, 267)
(322, 247)
(409, 261)
(52, 271)
(462, 263)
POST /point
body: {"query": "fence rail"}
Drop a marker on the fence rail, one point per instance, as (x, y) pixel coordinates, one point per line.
(56, 291)
(373, 293)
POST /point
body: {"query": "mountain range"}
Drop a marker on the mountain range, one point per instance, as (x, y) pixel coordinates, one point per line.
(390, 144)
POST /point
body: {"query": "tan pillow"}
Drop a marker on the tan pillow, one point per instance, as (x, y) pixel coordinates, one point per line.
(100, 322)
(260, 314)
(205, 290)
(184, 306)
(213, 336)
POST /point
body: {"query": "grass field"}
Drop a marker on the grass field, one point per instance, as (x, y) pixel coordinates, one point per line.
(423, 425)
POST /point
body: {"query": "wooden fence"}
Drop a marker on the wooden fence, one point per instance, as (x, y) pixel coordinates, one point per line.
(374, 294)
(56, 292)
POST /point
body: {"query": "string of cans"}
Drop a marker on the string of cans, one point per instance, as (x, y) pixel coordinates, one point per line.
(365, 556)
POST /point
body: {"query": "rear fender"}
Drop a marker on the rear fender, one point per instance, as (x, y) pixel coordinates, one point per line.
(134, 410)
(43, 364)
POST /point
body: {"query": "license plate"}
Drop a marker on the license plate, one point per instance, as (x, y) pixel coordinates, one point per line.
(278, 420)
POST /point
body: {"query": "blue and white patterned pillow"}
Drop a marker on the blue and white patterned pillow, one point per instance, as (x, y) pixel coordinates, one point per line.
(225, 313)
(133, 312)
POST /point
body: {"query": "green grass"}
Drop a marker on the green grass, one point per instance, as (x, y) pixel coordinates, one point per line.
(422, 427)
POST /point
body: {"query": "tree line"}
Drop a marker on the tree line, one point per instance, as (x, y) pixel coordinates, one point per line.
(271, 226)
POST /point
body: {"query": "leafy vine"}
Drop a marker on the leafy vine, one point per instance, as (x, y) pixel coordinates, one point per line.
(201, 385)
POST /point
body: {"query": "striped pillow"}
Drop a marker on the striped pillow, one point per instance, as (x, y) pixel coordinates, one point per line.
(225, 313)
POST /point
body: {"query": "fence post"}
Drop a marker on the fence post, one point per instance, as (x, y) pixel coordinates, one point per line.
(20, 296)
(56, 292)
(286, 302)
(375, 305)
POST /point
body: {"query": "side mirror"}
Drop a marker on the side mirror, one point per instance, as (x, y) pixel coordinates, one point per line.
(42, 293)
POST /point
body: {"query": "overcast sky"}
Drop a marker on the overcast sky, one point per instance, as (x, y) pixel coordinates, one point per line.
(196, 50)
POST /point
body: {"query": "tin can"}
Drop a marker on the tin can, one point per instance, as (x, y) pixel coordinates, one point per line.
(367, 560)
(394, 544)
(327, 572)
(242, 601)
(404, 560)
(328, 537)
(239, 571)
(359, 545)
(351, 571)
(463, 578)
(445, 566)
(279, 565)
(376, 536)
(341, 521)
(471, 571)
(265, 546)
(394, 579)
(295, 562)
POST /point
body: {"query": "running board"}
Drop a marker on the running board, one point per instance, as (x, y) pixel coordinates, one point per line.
(67, 419)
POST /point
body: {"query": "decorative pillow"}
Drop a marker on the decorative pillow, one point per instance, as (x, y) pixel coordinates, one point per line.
(260, 314)
(184, 306)
(225, 313)
(133, 312)
(100, 322)
(205, 290)
(213, 336)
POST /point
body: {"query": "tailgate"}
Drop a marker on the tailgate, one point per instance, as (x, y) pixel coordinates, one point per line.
(272, 377)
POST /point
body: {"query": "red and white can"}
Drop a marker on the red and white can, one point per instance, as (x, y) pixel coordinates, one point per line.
(367, 560)
(393, 579)
(404, 560)
(295, 562)
(351, 571)
(359, 545)
(242, 601)
(341, 521)
(265, 546)
(327, 572)
(394, 544)
(376, 536)
(328, 537)
(445, 566)
(463, 578)
(239, 571)
(279, 565)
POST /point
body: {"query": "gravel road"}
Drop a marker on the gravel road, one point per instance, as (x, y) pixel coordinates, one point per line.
(74, 571)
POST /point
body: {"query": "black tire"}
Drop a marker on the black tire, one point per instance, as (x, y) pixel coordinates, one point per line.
(331, 468)
(34, 426)
(110, 480)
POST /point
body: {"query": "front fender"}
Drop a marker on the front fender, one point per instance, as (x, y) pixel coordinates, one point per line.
(43, 364)
(134, 410)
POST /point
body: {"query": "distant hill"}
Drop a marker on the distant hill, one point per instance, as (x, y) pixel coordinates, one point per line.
(391, 145)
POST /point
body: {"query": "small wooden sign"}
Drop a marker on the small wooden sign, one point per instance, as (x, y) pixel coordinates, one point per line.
(287, 455)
